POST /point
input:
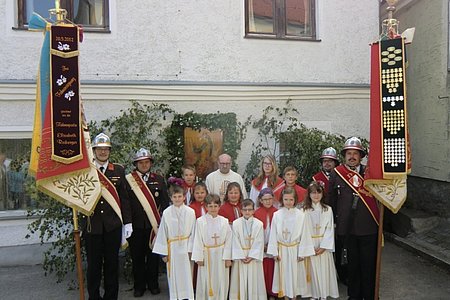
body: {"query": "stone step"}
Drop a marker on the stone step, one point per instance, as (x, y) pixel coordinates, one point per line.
(421, 233)
(408, 221)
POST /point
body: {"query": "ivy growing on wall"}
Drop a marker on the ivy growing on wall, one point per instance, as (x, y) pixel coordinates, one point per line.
(139, 126)
(281, 133)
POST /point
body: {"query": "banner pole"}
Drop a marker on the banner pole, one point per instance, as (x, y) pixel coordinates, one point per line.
(76, 235)
(379, 244)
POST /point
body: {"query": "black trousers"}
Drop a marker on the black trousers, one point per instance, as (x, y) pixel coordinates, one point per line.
(145, 262)
(361, 269)
(341, 269)
(103, 255)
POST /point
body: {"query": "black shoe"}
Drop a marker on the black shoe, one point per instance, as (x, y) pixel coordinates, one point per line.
(138, 293)
(155, 291)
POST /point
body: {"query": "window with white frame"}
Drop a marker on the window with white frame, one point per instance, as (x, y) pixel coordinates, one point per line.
(93, 15)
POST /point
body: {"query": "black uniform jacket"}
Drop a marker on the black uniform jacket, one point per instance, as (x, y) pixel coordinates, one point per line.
(104, 217)
(340, 197)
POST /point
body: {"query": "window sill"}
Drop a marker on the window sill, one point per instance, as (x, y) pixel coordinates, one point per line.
(285, 38)
(85, 29)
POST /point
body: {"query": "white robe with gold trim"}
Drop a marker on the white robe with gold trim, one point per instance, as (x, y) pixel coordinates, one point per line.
(175, 240)
(247, 280)
(213, 276)
(289, 240)
(323, 271)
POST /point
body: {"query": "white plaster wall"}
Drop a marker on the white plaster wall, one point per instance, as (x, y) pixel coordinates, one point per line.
(427, 76)
(202, 40)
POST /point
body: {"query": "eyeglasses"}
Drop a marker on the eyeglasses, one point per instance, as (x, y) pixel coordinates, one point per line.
(224, 163)
(266, 199)
(267, 163)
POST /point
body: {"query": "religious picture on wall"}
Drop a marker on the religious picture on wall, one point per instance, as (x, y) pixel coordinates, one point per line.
(202, 149)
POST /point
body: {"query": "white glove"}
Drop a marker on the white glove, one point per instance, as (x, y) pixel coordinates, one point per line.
(127, 230)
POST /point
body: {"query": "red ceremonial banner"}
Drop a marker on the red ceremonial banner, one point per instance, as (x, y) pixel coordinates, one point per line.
(390, 156)
(49, 168)
(64, 95)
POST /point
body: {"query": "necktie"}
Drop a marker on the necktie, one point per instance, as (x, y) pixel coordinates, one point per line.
(102, 169)
(144, 177)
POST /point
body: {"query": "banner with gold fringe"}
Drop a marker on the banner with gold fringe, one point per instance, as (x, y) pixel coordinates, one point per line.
(390, 156)
(62, 157)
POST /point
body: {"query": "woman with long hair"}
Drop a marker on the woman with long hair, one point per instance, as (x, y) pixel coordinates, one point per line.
(268, 177)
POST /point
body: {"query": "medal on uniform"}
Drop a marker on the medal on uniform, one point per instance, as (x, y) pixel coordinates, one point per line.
(355, 181)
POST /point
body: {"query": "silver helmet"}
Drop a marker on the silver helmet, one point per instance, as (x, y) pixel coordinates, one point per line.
(142, 154)
(101, 140)
(329, 152)
(355, 144)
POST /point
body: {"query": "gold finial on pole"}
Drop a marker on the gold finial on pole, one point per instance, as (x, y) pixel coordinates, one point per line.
(390, 25)
(391, 7)
(59, 12)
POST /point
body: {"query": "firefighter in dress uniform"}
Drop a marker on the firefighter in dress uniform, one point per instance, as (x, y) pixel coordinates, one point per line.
(103, 230)
(147, 203)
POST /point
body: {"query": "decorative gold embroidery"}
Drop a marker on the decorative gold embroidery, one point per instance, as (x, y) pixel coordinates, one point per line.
(80, 186)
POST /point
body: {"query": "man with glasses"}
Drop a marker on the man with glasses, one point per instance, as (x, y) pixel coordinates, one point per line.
(217, 181)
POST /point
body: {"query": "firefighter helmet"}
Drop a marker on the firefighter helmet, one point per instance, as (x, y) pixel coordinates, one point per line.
(142, 154)
(101, 140)
(353, 143)
(331, 153)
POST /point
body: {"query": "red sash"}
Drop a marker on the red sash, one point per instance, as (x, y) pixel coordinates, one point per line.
(109, 186)
(109, 191)
(356, 183)
(148, 195)
(321, 176)
(145, 197)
